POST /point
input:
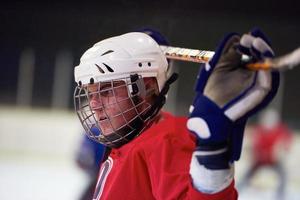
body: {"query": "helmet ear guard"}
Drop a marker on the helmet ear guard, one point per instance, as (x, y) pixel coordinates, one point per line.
(137, 86)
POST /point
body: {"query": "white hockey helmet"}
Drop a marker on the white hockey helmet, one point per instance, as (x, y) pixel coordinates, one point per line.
(131, 58)
(116, 57)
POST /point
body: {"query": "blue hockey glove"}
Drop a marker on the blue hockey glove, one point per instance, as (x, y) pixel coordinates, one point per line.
(227, 93)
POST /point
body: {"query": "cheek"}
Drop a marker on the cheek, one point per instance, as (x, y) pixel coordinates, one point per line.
(127, 109)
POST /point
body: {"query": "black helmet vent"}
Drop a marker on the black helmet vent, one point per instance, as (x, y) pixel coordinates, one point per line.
(108, 67)
(100, 69)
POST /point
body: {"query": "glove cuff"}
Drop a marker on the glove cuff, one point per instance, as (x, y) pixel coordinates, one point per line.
(208, 180)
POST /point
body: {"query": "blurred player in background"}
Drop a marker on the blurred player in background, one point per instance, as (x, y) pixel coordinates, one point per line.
(89, 157)
(123, 82)
(271, 141)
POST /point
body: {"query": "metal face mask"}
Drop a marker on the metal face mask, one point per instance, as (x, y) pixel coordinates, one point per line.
(111, 112)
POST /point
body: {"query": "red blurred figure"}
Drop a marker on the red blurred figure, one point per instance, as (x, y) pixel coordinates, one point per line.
(271, 140)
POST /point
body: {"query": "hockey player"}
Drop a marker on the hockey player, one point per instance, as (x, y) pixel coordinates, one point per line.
(271, 140)
(122, 85)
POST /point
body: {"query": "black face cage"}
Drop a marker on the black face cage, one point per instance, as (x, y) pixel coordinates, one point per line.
(135, 96)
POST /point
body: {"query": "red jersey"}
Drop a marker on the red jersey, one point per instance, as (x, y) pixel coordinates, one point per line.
(155, 165)
(269, 142)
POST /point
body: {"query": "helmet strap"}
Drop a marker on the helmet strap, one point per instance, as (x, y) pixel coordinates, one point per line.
(161, 98)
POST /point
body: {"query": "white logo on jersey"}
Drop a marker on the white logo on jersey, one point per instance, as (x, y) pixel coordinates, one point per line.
(105, 169)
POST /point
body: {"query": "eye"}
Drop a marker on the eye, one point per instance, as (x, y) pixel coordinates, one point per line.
(106, 93)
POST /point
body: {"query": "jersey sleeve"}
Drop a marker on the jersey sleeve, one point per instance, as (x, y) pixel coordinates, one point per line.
(169, 162)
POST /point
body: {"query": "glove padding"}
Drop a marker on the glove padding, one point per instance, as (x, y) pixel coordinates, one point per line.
(228, 93)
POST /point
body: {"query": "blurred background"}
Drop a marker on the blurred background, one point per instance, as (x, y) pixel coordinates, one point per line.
(40, 43)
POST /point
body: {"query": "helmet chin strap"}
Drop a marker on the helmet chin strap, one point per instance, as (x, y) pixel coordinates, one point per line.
(139, 122)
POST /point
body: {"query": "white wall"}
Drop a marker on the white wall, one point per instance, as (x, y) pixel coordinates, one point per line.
(37, 150)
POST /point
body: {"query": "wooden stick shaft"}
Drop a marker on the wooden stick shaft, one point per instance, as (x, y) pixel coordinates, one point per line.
(202, 56)
(184, 54)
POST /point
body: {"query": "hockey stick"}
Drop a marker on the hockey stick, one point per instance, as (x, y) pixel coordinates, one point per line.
(287, 61)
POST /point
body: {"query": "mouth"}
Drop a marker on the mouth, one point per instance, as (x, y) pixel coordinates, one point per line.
(103, 118)
(100, 116)
(104, 123)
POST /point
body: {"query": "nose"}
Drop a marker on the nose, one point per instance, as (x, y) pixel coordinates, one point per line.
(98, 109)
(95, 102)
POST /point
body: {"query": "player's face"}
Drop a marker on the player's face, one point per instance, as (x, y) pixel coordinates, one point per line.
(112, 106)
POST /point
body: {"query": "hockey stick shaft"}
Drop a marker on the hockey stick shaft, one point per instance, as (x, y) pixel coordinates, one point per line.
(184, 54)
(287, 61)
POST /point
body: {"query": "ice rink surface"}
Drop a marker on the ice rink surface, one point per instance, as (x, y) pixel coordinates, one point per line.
(37, 150)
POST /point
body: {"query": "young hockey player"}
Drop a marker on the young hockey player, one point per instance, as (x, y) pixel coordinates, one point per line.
(122, 85)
